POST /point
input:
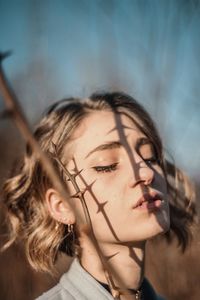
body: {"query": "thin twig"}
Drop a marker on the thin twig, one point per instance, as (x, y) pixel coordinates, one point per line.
(79, 194)
(14, 111)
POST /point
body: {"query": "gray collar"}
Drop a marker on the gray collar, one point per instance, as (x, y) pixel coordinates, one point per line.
(82, 285)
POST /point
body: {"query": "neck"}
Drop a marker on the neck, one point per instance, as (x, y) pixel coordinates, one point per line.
(125, 262)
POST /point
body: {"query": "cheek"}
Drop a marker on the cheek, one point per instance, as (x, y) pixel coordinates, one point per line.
(78, 202)
(94, 195)
(160, 181)
(98, 198)
(99, 194)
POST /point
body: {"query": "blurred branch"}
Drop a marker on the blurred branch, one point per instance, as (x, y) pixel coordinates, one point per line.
(14, 111)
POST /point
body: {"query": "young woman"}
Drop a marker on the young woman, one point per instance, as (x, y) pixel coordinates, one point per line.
(110, 156)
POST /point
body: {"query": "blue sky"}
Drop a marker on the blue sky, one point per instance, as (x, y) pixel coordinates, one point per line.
(149, 49)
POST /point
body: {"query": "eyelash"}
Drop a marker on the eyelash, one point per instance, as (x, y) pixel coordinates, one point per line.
(152, 160)
(106, 169)
(113, 167)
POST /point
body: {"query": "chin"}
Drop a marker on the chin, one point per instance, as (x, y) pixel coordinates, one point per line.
(156, 225)
(161, 220)
(160, 226)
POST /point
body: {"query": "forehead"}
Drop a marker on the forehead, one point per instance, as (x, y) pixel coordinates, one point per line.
(101, 127)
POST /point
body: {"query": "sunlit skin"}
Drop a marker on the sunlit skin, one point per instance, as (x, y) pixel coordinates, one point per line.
(121, 176)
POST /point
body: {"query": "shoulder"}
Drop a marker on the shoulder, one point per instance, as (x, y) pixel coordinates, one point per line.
(56, 293)
(76, 284)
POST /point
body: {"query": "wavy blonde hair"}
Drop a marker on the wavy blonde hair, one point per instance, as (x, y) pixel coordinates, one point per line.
(23, 194)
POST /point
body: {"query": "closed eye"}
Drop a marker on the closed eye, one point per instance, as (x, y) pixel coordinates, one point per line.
(151, 160)
(105, 169)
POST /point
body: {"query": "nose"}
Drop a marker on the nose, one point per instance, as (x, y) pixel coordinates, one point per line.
(143, 173)
(146, 174)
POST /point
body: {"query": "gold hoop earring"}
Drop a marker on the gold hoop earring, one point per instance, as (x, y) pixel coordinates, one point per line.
(70, 228)
(57, 226)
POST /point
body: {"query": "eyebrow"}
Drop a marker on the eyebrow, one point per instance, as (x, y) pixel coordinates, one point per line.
(143, 141)
(106, 146)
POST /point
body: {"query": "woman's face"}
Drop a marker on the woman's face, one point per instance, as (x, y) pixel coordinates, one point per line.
(125, 189)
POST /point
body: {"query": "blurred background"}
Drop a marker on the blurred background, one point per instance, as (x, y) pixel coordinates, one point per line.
(147, 48)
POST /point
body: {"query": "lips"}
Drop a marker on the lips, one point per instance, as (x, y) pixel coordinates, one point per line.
(149, 200)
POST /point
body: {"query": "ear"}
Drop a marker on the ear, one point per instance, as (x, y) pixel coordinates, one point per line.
(59, 208)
